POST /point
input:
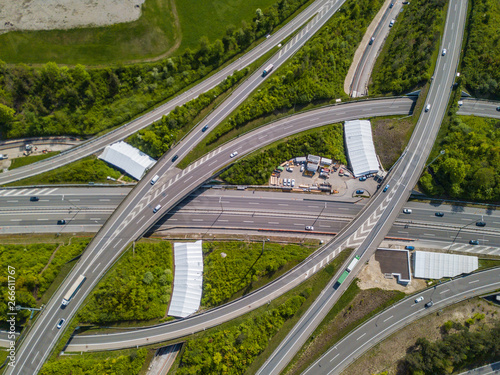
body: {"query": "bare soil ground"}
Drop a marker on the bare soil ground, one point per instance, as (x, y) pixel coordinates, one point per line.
(390, 137)
(385, 356)
(65, 14)
(372, 277)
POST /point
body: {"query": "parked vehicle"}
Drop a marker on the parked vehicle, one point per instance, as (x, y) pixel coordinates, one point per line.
(409, 247)
(4, 156)
(363, 178)
(360, 191)
(302, 168)
(293, 182)
(386, 188)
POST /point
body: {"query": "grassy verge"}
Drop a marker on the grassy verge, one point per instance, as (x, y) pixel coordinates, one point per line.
(83, 171)
(488, 263)
(22, 161)
(353, 308)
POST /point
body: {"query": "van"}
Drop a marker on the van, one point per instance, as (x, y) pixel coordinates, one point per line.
(157, 208)
(155, 178)
(427, 107)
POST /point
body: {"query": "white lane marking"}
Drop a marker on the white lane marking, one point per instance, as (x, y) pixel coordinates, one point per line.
(282, 204)
(13, 201)
(247, 221)
(196, 219)
(444, 291)
(253, 203)
(212, 163)
(392, 316)
(120, 240)
(313, 206)
(361, 336)
(429, 235)
(42, 219)
(331, 360)
(104, 200)
(273, 222)
(96, 267)
(16, 219)
(222, 220)
(36, 355)
(74, 200)
(172, 219)
(299, 224)
(142, 217)
(473, 281)
(98, 218)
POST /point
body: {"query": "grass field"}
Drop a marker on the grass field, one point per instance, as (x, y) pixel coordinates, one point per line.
(21, 162)
(157, 32)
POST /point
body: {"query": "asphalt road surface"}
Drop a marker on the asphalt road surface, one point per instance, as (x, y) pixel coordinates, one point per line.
(493, 368)
(366, 232)
(123, 132)
(482, 108)
(400, 315)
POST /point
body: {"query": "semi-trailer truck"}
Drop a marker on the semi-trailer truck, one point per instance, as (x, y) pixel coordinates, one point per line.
(267, 70)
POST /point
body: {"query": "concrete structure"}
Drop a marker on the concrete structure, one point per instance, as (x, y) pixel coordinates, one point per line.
(300, 160)
(395, 263)
(188, 279)
(325, 162)
(312, 167)
(129, 159)
(427, 265)
(360, 148)
(313, 159)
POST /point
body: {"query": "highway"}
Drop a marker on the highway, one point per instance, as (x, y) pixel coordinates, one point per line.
(235, 211)
(366, 232)
(400, 315)
(492, 368)
(482, 108)
(141, 122)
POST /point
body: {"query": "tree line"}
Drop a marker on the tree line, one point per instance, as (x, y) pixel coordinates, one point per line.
(59, 100)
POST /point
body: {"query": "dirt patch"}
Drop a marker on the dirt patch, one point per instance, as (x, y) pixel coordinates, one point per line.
(390, 137)
(361, 305)
(372, 277)
(65, 14)
(385, 356)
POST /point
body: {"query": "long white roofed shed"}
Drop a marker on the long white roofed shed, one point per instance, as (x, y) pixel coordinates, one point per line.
(129, 159)
(188, 279)
(428, 265)
(360, 148)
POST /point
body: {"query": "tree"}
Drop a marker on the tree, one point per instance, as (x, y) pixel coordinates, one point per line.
(6, 114)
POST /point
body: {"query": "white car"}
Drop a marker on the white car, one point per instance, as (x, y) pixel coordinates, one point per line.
(427, 107)
(419, 299)
(391, 24)
(407, 211)
(444, 52)
(234, 154)
(61, 322)
(309, 227)
(293, 182)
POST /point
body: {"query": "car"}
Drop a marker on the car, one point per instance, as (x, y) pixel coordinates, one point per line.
(372, 39)
(439, 214)
(405, 3)
(391, 24)
(61, 322)
(309, 227)
(429, 304)
(234, 154)
(204, 128)
(156, 209)
(474, 242)
(288, 182)
(34, 199)
(302, 168)
(386, 188)
(407, 211)
(360, 191)
(427, 107)
(362, 178)
(293, 182)
(419, 299)
(289, 169)
(175, 158)
(444, 52)
(390, 6)
(61, 222)
(498, 109)
(409, 247)
(481, 224)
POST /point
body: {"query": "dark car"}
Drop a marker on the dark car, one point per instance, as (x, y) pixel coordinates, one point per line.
(204, 128)
(175, 158)
(362, 178)
(34, 199)
(498, 109)
(481, 224)
(61, 222)
(474, 242)
(439, 214)
(390, 6)
(386, 188)
(371, 41)
(429, 304)
(409, 247)
(360, 191)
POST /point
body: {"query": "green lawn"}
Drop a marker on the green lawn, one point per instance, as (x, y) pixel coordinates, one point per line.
(21, 162)
(152, 35)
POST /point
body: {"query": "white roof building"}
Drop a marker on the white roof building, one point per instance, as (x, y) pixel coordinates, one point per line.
(129, 159)
(360, 148)
(427, 265)
(188, 279)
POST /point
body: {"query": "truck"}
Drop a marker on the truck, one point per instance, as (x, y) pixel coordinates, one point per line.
(353, 263)
(72, 291)
(343, 277)
(267, 70)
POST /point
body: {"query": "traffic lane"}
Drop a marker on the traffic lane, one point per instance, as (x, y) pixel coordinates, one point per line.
(493, 368)
(398, 316)
(480, 108)
(156, 114)
(58, 202)
(34, 219)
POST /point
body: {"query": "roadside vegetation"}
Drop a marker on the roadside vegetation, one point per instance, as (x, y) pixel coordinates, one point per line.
(25, 160)
(405, 62)
(470, 167)
(353, 308)
(315, 74)
(256, 169)
(54, 100)
(244, 267)
(138, 287)
(83, 171)
(36, 266)
(129, 361)
(481, 60)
